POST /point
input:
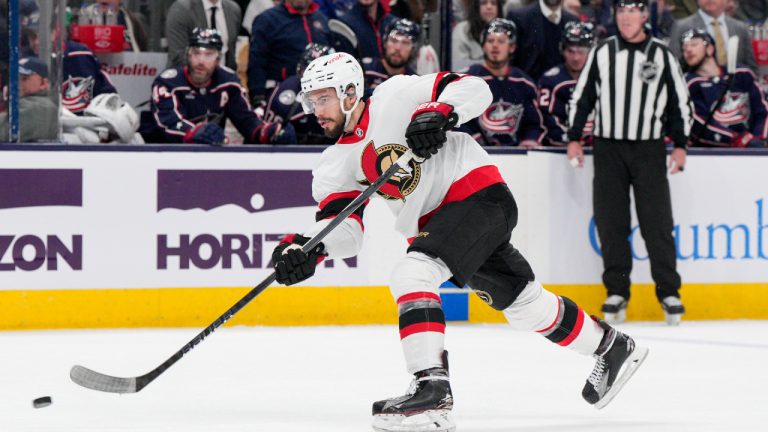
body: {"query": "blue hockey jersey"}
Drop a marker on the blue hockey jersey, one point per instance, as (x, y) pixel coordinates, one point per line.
(514, 114)
(178, 106)
(82, 78)
(283, 105)
(555, 89)
(375, 73)
(743, 110)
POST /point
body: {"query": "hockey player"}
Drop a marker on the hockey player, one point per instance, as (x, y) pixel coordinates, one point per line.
(190, 103)
(457, 212)
(83, 78)
(513, 118)
(399, 43)
(285, 108)
(739, 120)
(557, 84)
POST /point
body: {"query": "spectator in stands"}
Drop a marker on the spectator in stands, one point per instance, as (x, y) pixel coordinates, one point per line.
(400, 41)
(465, 38)
(513, 118)
(367, 19)
(284, 107)
(185, 15)
(82, 78)
(711, 16)
(741, 114)
(38, 115)
(103, 11)
(278, 38)
(540, 28)
(557, 84)
(191, 103)
(255, 7)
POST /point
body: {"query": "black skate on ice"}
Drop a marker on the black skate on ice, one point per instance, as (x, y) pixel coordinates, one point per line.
(617, 360)
(615, 309)
(425, 407)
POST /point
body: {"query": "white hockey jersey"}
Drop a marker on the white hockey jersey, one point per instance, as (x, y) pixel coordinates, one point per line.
(461, 168)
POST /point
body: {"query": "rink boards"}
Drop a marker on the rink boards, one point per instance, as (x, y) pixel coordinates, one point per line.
(152, 237)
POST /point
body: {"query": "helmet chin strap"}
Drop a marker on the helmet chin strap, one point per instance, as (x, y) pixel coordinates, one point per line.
(348, 113)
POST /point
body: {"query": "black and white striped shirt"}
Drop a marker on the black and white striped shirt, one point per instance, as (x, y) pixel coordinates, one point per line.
(636, 90)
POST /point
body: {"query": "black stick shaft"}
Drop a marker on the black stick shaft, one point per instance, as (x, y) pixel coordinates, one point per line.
(402, 162)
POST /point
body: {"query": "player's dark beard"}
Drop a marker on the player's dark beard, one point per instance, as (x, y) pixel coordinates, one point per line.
(395, 64)
(336, 130)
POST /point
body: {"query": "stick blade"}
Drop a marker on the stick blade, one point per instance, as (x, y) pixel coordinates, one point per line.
(100, 382)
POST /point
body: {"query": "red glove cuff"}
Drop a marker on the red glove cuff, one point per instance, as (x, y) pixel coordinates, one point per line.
(741, 141)
(442, 108)
(189, 137)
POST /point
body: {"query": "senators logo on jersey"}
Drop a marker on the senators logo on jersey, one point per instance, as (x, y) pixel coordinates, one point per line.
(375, 161)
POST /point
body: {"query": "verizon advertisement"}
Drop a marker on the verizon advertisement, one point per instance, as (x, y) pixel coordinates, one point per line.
(133, 73)
(91, 220)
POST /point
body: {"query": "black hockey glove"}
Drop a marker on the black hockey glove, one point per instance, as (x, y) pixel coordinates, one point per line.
(292, 265)
(425, 134)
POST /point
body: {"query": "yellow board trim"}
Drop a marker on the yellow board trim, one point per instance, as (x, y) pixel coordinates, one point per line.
(292, 306)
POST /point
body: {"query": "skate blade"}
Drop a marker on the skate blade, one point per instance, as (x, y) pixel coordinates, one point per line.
(428, 421)
(630, 367)
(615, 318)
(673, 319)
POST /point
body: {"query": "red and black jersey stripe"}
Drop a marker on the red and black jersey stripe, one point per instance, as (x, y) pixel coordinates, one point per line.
(335, 203)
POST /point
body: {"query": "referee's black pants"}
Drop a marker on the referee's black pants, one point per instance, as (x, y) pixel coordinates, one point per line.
(641, 165)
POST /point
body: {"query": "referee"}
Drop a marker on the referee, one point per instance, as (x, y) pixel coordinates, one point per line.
(635, 88)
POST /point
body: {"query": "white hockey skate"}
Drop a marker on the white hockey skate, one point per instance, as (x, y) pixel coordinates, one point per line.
(615, 309)
(673, 310)
(617, 360)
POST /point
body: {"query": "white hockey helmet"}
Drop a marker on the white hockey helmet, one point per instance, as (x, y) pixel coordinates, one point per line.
(111, 108)
(339, 71)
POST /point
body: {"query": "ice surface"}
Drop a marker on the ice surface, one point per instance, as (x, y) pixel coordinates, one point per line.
(701, 376)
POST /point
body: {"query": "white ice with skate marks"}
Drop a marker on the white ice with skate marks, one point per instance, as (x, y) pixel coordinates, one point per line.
(701, 376)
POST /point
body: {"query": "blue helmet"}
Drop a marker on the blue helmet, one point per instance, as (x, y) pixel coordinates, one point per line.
(578, 33)
(311, 52)
(500, 25)
(403, 27)
(205, 38)
(697, 33)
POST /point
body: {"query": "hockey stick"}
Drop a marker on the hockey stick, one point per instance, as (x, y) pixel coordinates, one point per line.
(97, 381)
(732, 49)
(342, 30)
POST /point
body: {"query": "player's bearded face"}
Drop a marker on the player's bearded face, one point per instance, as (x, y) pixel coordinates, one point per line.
(202, 63)
(328, 111)
(497, 49)
(398, 50)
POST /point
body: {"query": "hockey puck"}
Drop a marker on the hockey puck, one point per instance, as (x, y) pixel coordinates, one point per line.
(42, 402)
